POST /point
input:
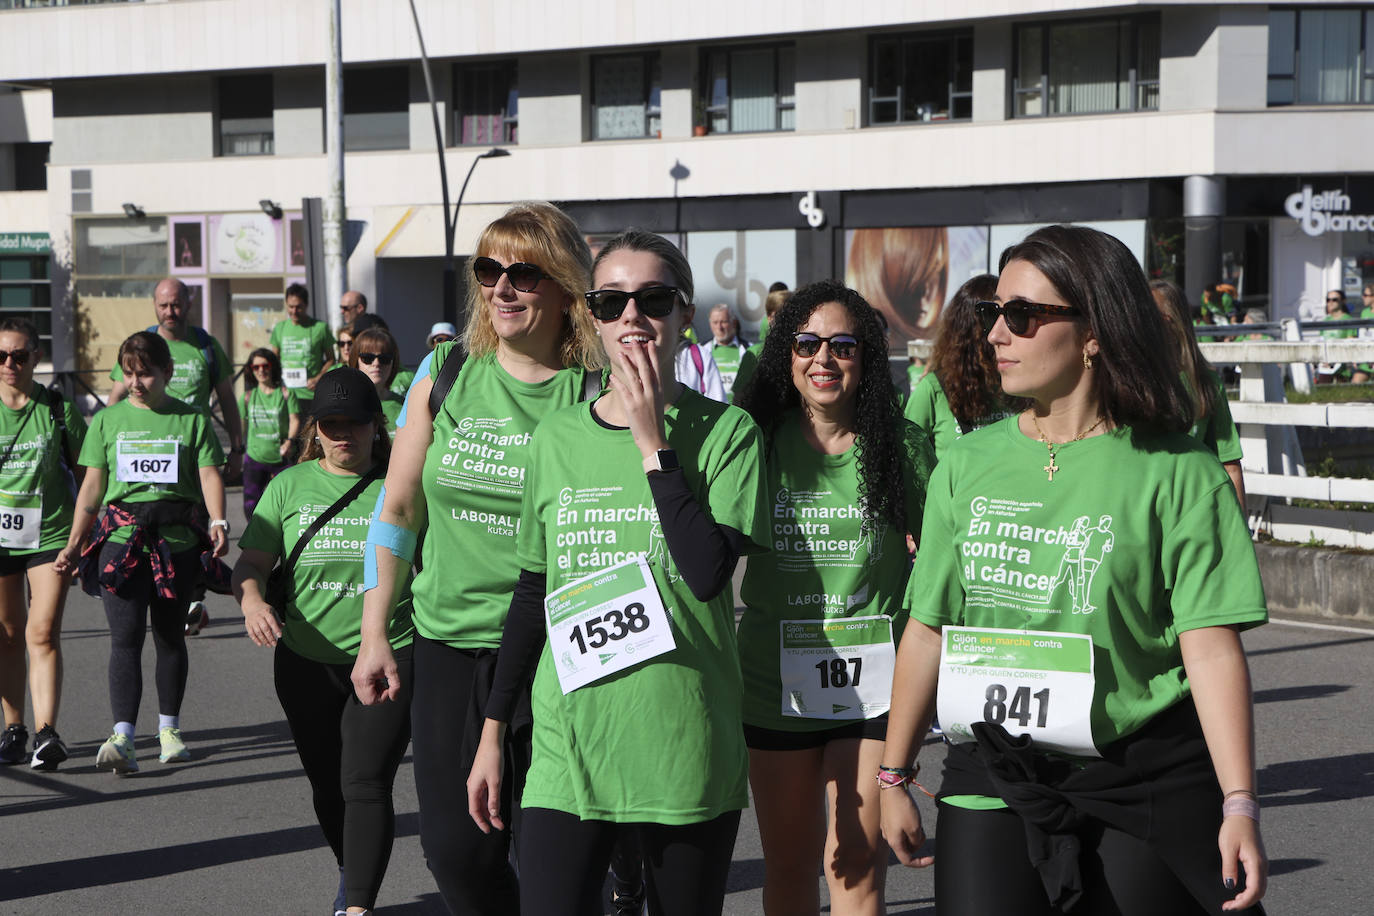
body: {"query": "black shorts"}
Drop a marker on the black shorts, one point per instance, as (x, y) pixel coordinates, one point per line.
(769, 739)
(11, 563)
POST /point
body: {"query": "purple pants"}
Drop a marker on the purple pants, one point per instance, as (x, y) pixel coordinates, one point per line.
(256, 476)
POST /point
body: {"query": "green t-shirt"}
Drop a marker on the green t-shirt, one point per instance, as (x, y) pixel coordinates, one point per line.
(821, 565)
(323, 616)
(660, 742)
(402, 382)
(748, 365)
(269, 422)
(391, 409)
(1131, 544)
(171, 427)
(304, 348)
(474, 477)
(1338, 333)
(35, 486)
(1217, 431)
(928, 408)
(728, 357)
(191, 380)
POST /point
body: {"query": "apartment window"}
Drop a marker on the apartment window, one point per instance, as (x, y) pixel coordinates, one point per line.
(1082, 67)
(1321, 56)
(921, 77)
(245, 115)
(485, 104)
(625, 96)
(25, 293)
(376, 108)
(31, 166)
(749, 89)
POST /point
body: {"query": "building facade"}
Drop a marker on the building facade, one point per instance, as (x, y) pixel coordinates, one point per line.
(901, 145)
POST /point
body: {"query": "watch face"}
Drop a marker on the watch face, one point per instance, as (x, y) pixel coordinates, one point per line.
(667, 460)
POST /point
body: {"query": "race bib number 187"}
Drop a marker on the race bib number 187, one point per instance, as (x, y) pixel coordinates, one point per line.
(1029, 682)
(606, 622)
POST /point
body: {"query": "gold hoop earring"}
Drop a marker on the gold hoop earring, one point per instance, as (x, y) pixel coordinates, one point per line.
(1087, 360)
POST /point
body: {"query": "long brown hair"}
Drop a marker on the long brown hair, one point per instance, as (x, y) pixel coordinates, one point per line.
(1173, 306)
(900, 271)
(962, 359)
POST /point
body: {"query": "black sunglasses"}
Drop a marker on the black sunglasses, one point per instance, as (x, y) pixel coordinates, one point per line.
(1017, 313)
(344, 341)
(1334, 299)
(524, 277)
(842, 346)
(654, 301)
(20, 357)
(370, 358)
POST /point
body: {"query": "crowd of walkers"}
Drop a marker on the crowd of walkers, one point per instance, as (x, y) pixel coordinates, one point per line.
(522, 570)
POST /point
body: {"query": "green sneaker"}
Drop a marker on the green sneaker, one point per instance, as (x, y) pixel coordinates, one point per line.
(173, 748)
(117, 755)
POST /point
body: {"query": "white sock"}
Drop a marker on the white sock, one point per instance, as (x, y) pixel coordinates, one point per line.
(168, 721)
(125, 728)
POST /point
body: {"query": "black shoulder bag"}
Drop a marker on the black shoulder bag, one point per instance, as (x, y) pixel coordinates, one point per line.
(279, 580)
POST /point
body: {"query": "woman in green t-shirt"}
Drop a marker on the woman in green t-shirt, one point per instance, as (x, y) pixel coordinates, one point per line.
(350, 752)
(847, 477)
(150, 459)
(271, 420)
(960, 390)
(1213, 426)
(458, 474)
(40, 434)
(636, 510)
(376, 355)
(1076, 603)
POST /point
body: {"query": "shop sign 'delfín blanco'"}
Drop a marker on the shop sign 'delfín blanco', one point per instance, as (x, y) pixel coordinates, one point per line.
(1325, 211)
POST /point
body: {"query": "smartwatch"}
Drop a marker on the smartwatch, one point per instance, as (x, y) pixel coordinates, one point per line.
(665, 459)
(221, 523)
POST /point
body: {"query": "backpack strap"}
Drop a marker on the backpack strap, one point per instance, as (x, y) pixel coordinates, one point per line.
(55, 404)
(700, 364)
(444, 379)
(591, 384)
(206, 344)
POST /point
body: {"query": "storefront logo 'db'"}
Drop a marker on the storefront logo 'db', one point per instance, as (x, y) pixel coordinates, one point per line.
(1326, 211)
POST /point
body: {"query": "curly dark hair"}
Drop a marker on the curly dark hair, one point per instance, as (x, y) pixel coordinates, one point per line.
(962, 359)
(771, 395)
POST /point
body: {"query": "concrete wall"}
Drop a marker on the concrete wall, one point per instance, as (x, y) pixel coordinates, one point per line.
(831, 73)
(298, 111)
(992, 73)
(133, 120)
(1316, 582)
(551, 93)
(1214, 57)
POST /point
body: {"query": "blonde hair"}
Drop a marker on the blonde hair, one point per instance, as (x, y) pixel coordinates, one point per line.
(541, 234)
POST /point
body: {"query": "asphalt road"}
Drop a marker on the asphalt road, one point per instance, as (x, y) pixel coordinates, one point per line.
(233, 830)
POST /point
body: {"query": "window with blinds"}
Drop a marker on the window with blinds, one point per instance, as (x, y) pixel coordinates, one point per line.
(1321, 56)
(625, 96)
(921, 77)
(485, 104)
(748, 89)
(1087, 66)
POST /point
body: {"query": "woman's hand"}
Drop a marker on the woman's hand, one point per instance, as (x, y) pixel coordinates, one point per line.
(67, 560)
(219, 541)
(484, 781)
(902, 827)
(641, 395)
(1241, 845)
(375, 675)
(260, 621)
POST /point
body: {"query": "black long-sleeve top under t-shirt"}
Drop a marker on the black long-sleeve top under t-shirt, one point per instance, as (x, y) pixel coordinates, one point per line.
(705, 555)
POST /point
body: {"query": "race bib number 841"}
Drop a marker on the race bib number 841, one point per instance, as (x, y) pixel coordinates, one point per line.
(1029, 682)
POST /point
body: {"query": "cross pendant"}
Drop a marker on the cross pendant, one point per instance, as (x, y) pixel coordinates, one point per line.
(1051, 468)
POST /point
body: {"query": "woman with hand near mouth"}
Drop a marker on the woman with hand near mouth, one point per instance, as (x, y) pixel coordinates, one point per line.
(1076, 604)
(636, 511)
(457, 473)
(837, 449)
(149, 459)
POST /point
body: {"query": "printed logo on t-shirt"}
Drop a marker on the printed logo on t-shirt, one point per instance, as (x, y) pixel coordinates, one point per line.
(341, 539)
(24, 456)
(483, 457)
(1010, 563)
(813, 528)
(596, 527)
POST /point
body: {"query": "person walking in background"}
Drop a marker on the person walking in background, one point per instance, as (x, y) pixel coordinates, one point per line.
(40, 436)
(727, 350)
(1335, 311)
(350, 751)
(150, 460)
(303, 344)
(271, 421)
(376, 354)
(352, 305)
(440, 332)
(199, 367)
(696, 368)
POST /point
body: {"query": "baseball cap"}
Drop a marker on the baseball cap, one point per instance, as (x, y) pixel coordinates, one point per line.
(345, 392)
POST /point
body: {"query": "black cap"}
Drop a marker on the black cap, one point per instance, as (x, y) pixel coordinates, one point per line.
(346, 392)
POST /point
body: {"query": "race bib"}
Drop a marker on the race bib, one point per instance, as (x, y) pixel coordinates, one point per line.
(21, 520)
(147, 461)
(294, 378)
(1029, 682)
(606, 622)
(837, 669)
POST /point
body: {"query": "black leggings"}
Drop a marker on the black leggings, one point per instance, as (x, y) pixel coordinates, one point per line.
(982, 866)
(350, 753)
(471, 868)
(563, 861)
(128, 613)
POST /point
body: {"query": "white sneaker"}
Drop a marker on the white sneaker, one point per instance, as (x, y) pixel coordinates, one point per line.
(197, 618)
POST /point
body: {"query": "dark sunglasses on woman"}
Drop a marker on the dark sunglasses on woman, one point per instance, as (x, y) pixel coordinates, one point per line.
(1017, 313)
(842, 346)
(524, 277)
(654, 301)
(368, 359)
